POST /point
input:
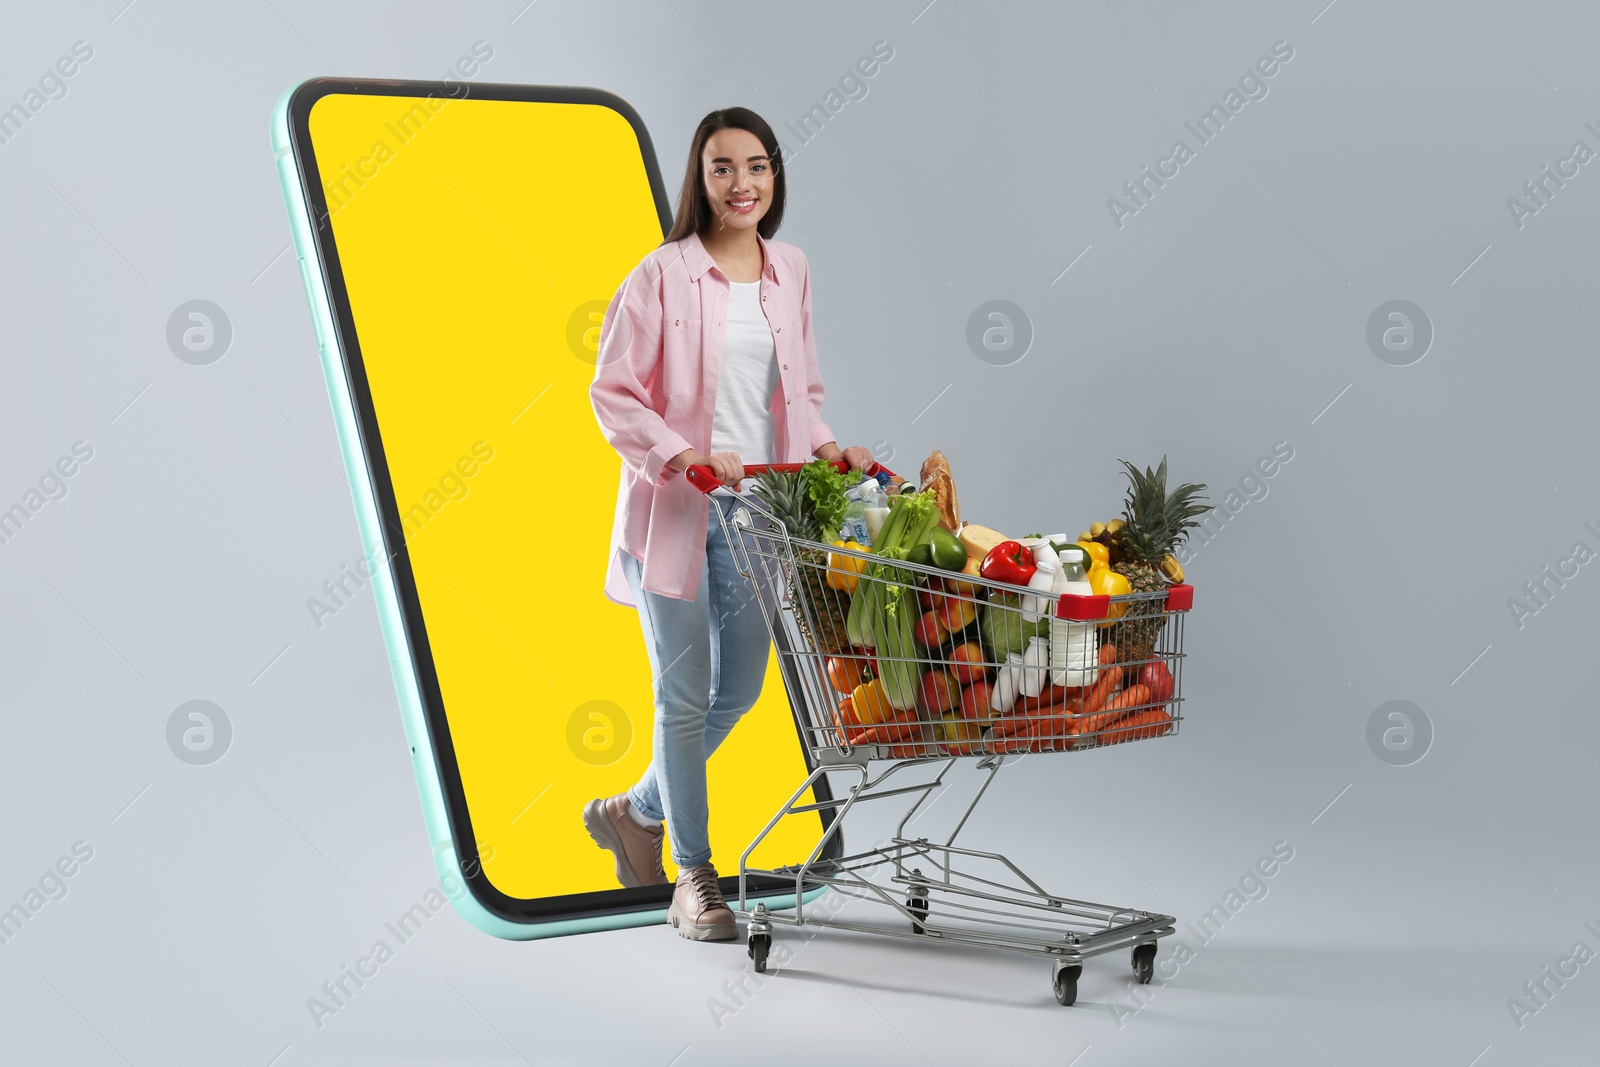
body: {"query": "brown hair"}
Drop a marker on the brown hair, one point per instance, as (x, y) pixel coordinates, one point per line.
(694, 210)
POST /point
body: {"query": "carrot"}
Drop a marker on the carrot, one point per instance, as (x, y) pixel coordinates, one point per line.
(1010, 733)
(1012, 725)
(1057, 734)
(845, 720)
(1053, 730)
(1049, 696)
(1115, 709)
(1017, 742)
(1149, 722)
(888, 731)
(1106, 684)
(1130, 698)
(1108, 655)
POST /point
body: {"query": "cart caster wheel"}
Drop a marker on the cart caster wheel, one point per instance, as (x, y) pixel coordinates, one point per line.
(757, 950)
(918, 906)
(1066, 985)
(1144, 963)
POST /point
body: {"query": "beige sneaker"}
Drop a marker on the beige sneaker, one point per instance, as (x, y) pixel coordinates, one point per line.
(637, 850)
(698, 911)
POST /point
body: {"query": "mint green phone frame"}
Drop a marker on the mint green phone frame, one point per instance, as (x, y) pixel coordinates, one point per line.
(407, 687)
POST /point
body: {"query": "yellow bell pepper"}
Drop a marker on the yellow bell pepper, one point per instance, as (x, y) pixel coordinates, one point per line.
(844, 572)
(1102, 579)
(872, 702)
(1094, 552)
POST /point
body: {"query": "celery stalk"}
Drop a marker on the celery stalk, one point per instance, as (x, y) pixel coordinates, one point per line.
(896, 646)
(870, 623)
(858, 623)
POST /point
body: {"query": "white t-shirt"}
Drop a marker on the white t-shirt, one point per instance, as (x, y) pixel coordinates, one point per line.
(742, 421)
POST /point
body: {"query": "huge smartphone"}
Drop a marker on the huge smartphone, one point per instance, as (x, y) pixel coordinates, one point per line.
(459, 244)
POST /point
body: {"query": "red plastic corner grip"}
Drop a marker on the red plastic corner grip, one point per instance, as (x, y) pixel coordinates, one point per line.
(1180, 597)
(700, 476)
(1080, 608)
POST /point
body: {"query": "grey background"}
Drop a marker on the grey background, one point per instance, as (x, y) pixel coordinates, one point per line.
(1223, 317)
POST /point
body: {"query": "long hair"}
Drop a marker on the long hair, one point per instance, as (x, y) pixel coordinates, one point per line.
(694, 210)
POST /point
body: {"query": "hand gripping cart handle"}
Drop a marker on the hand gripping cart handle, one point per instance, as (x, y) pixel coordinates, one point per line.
(901, 661)
(702, 478)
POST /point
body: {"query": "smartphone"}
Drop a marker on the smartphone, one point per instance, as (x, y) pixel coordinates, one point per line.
(459, 244)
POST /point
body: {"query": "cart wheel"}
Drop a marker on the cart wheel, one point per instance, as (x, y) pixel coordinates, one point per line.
(1144, 963)
(918, 906)
(759, 944)
(1066, 983)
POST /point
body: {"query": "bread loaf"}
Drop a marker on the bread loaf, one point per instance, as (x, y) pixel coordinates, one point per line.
(937, 481)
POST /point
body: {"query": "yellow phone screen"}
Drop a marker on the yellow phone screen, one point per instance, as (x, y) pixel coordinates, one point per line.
(480, 241)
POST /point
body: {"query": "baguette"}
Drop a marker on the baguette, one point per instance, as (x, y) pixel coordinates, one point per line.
(936, 480)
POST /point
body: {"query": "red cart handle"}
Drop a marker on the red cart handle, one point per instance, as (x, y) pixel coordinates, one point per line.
(701, 477)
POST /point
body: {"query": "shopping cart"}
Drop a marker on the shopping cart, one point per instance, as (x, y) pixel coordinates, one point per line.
(1125, 685)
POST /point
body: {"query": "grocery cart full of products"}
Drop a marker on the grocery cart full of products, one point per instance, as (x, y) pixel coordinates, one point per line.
(911, 641)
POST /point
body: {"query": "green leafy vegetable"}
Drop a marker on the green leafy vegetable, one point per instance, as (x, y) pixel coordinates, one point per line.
(825, 486)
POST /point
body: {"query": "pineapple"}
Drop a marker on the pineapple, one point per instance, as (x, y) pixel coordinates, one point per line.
(819, 612)
(1155, 523)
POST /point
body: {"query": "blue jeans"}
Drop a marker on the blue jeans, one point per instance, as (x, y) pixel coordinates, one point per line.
(708, 659)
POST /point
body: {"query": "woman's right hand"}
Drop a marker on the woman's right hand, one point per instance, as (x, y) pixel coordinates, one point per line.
(727, 466)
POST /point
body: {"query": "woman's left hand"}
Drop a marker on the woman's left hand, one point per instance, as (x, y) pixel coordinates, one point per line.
(858, 457)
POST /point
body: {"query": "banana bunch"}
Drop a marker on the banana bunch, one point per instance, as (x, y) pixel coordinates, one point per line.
(1108, 534)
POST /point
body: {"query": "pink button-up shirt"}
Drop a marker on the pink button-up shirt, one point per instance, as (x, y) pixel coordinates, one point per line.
(655, 391)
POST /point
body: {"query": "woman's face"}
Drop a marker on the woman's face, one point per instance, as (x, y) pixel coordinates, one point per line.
(738, 178)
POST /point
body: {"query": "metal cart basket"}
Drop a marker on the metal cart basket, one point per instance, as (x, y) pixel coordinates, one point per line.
(987, 687)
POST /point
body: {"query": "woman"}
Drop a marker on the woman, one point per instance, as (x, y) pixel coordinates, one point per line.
(706, 356)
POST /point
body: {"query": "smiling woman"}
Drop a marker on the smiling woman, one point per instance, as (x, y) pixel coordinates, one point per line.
(714, 364)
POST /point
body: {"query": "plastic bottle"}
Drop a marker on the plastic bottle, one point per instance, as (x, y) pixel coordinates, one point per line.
(854, 525)
(1046, 569)
(1006, 685)
(1042, 549)
(877, 507)
(1035, 661)
(1074, 646)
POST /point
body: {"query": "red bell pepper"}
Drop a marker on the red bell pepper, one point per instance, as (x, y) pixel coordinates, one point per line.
(1010, 562)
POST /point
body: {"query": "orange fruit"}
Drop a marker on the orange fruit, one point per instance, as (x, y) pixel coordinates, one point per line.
(845, 673)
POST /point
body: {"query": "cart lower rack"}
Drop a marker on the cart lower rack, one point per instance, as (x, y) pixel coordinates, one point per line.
(990, 671)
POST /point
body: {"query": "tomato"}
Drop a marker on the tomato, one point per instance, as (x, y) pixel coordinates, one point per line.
(845, 673)
(1159, 679)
